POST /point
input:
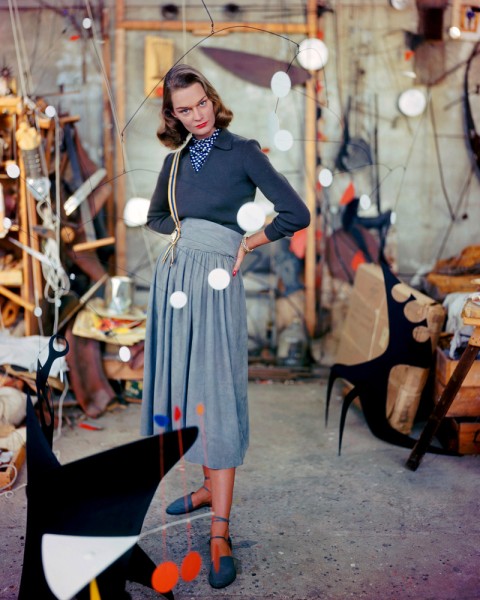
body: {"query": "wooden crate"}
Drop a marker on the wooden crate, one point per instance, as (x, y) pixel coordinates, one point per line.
(7, 474)
(467, 400)
(460, 434)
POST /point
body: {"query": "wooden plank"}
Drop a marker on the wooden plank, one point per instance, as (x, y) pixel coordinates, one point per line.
(11, 277)
(204, 27)
(84, 246)
(36, 267)
(310, 177)
(23, 238)
(120, 184)
(17, 299)
(108, 125)
(274, 373)
(310, 196)
(11, 104)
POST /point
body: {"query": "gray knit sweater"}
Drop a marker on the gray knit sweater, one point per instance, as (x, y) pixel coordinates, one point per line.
(234, 168)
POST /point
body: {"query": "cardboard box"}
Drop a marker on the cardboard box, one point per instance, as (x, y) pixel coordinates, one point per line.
(467, 400)
(366, 335)
(405, 386)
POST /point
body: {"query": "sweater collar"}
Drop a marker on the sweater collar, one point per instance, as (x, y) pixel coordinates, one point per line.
(224, 140)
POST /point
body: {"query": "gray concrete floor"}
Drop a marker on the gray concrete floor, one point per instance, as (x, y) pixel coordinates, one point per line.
(306, 523)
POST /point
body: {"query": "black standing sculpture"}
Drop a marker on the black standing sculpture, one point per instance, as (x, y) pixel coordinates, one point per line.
(370, 378)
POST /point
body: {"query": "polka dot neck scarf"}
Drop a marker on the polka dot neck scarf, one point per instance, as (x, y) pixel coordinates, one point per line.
(200, 149)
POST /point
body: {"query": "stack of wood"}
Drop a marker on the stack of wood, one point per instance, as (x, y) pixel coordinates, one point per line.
(456, 274)
(460, 429)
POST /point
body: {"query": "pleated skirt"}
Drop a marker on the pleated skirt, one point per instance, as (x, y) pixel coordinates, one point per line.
(196, 357)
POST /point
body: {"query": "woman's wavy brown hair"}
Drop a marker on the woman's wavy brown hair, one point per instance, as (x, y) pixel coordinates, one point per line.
(171, 132)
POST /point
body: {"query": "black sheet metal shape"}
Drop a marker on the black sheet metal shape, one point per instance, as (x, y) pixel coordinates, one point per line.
(106, 494)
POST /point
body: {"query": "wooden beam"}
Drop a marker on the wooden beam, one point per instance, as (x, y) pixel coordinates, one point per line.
(120, 183)
(17, 299)
(24, 238)
(310, 176)
(203, 27)
(108, 125)
(84, 246)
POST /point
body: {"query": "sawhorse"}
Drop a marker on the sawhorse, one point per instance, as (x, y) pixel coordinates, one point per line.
(470, 316)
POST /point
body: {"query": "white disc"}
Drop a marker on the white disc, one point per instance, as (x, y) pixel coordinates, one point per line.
(178, 299)
(281, 84)
(412, 102)
(312, 54)
(124, 353)
(136, 211)
(365, 201)
(50, 111)
(218, 279)
(250, 217)
(283, 140)
(325, 177)
(13, 170)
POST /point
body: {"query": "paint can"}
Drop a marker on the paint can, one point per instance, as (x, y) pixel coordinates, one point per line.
(119, 294)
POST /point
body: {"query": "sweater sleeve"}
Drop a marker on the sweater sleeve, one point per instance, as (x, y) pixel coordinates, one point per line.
(293, 214)
(159, 218)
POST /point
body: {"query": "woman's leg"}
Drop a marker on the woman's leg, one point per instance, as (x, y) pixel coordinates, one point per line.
(203, 494)
(222, 482)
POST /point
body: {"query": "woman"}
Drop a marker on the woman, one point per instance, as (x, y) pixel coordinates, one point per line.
(196, 360)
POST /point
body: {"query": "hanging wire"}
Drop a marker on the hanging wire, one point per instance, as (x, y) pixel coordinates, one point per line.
(23, 84)
(101, 64)
(439, 161)
(463, 195)
(26, 62)
(209, 16)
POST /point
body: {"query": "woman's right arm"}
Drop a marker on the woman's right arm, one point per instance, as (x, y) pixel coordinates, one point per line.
(159, 218)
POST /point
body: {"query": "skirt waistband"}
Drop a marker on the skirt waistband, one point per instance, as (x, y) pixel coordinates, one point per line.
(207, 236)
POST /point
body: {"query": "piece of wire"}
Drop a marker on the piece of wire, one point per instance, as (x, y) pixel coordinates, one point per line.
(187, 520)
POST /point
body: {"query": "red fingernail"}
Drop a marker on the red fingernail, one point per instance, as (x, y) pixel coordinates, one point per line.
(234, 273)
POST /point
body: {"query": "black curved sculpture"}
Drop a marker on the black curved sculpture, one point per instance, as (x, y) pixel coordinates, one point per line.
(370, 379)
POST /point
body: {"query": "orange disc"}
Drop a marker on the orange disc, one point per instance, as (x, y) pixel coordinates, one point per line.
(200, 409)
(165, 577)
(191, 566)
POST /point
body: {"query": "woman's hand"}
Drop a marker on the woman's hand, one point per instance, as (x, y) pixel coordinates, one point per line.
(253, 241)
(240, 256)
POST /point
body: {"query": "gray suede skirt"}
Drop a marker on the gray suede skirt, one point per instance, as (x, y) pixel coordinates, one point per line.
(196, 356)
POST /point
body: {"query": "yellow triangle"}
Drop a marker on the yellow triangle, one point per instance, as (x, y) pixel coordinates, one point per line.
(94, 593)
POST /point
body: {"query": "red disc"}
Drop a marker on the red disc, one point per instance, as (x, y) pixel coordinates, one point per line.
(165, 577)
(191, 566)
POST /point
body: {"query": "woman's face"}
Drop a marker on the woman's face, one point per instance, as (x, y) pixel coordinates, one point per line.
(193, 108)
